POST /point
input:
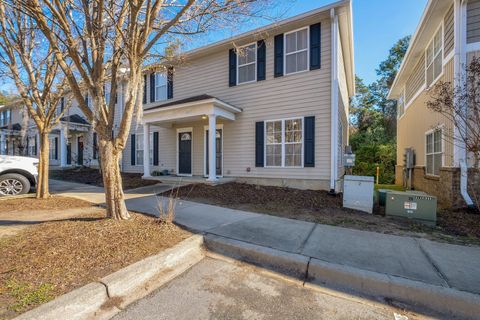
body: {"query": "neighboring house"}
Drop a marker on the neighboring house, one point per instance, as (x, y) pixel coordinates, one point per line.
(447, 37)
(269, 106)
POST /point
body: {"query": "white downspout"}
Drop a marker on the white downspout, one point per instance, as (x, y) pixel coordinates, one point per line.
(460, 57)
(334, 99)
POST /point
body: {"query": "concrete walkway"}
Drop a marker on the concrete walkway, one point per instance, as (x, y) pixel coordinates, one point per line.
(411, 258)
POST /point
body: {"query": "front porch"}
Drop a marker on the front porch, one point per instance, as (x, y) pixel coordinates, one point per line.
(192, 129)
(186, 180)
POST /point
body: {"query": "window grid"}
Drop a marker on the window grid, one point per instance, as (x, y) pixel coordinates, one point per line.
(139, 149)
(284, 143)
(434, 152)
(293, 53)
(248, 64)
(160, 87)
(434, 58)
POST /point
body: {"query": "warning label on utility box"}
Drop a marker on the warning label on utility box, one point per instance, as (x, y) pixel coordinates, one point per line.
(409, 205)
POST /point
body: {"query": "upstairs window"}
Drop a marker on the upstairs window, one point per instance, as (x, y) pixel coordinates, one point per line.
(296, 51)
(160, 87)
(434, 58)
(247, 64)
(434, 152)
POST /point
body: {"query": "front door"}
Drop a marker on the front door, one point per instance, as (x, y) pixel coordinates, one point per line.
(69, 153)
(185, 153)
(219, 152)
(80, 151)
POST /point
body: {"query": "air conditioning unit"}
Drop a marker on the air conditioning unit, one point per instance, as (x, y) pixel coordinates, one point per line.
(415, 205)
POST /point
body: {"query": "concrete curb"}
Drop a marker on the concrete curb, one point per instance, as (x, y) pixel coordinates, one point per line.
(318, 274)
(103, 299)
(293, 265)
(414, 293)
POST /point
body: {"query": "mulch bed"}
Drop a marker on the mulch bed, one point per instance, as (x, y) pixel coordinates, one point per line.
(50, 259)
(93, 177)
(52, 203)
(460, 227)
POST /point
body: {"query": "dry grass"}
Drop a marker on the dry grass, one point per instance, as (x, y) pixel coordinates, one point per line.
(52, 203)
(50, 259)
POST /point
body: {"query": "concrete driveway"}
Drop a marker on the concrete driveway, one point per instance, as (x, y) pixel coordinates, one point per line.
(215, 289)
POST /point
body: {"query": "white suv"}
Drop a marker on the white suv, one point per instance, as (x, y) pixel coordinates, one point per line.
(17, 175)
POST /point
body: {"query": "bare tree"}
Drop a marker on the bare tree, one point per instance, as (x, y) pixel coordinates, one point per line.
(460, 104)
(30, 62)
(107, 40)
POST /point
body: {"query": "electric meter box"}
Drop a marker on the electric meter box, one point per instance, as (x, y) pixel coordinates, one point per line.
(414, 205)
(358, 193)
(349, 160)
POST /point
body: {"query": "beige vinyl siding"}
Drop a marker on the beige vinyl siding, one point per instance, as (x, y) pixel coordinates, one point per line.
(473, 21)
(416, 80)
(418, 119)
(296, 95)
(448, 32)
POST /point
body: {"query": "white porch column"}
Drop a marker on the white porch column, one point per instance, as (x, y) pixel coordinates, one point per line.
(2, 143)
(146, 150)
(63, 148)
(212, 148)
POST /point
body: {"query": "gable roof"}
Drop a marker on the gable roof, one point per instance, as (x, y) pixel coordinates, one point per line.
(431, 18)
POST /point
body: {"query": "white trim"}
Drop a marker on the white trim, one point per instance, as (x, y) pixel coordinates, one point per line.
(180, 130)
(474, 46)
(449, 57)
(295, 52)
(283, 143)
(334, 99)
(247, 64)
(225, 105)
(415, 96)
(205, 164)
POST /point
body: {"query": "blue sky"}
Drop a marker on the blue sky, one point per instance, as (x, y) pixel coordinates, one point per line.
(378, 24)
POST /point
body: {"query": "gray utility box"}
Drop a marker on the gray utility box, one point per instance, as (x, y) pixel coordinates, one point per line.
(415, 205)
(358, 193)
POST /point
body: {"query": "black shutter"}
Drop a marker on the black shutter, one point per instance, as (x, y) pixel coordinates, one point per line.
(278, 55)
(132, 150)
(27, 152)
(259, 135)
(35, 147)
(86, 99)
(155, 148)
(315, 32)
(95, 145)
(261, 60)
(62, 104)
(56, 148)
(170, 83)
(232, 68)
(144, 88)
(152, 87)
(309, 141)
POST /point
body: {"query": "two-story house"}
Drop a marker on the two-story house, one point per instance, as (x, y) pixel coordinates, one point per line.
(269, 106)
(446, 39)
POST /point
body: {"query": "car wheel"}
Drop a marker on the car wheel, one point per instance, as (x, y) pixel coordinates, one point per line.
(12, 184)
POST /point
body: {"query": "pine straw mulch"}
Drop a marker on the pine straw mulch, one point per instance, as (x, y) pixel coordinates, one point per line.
(52, 203)
(52, 258)
(460, 227)
(93, 177)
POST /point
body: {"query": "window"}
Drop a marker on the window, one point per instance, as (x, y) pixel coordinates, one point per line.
(434, 152)
(160, 87)
(52, 149)
(296, 51)
(5, 118)
(433, 57)
(139, 149)
(247, 64)
(401, 105)
(31, 146)
(284, 143)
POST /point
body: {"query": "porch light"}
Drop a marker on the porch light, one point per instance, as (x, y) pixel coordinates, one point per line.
(204, 117)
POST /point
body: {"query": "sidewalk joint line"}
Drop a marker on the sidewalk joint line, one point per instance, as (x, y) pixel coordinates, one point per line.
(106, 288)
(304, 242)
(306, 271)
(434, 265)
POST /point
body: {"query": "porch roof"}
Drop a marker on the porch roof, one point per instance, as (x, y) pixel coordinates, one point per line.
(189, 109)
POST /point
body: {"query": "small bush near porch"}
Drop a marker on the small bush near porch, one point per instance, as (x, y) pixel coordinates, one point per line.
(94, 177)
(462, 227)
